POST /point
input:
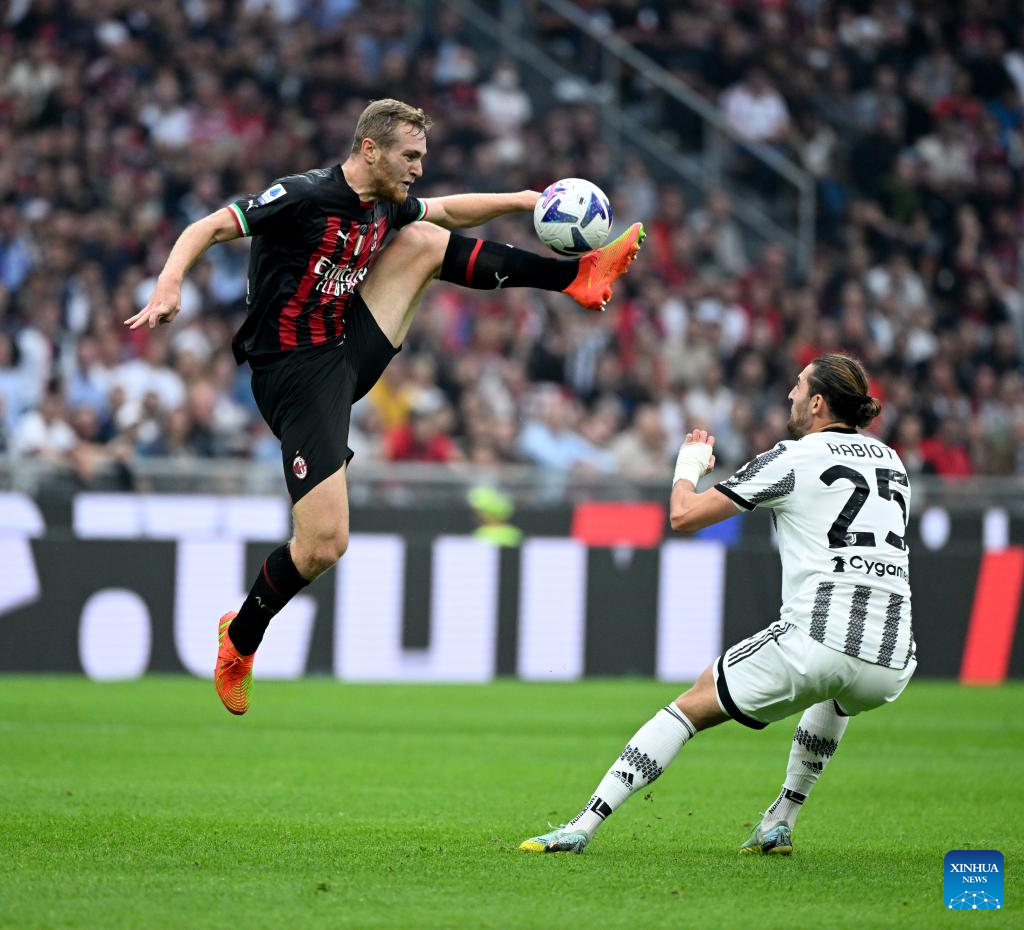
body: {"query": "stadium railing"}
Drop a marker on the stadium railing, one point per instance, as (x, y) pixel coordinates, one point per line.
(419, 483)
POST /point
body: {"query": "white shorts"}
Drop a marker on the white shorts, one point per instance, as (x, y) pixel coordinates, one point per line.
(781, 670)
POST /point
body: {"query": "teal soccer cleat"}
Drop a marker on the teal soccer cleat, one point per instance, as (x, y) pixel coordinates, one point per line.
(778, 841)
(558, 840)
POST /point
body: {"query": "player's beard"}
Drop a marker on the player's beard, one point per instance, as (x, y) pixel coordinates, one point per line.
(799, 420)
(386, 186)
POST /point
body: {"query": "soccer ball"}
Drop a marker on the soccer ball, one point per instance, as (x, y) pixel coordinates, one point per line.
(572, 216)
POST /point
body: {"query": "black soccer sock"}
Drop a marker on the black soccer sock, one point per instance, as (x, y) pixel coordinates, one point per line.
(484, 266)
(276, 584)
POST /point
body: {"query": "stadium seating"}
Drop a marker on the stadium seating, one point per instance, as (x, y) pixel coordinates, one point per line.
(121, 123)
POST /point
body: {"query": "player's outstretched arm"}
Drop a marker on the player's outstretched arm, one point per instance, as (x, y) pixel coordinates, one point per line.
(690, 510)
(165, 303)
(459, 211)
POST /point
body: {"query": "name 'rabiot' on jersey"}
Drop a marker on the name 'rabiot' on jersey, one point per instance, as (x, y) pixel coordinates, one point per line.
(840, 501)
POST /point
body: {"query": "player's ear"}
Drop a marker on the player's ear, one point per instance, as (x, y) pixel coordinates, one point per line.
(369, 150)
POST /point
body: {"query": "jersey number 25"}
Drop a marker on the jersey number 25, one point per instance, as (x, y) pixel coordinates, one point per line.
(838, 535)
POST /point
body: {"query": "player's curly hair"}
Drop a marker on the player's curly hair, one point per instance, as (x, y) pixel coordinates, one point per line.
(843, 383)
(381, 119)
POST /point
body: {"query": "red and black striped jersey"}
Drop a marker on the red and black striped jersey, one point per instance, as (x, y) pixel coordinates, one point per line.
(314, 242)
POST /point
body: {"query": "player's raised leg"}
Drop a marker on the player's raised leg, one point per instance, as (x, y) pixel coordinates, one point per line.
(816, 739)
(320, 538)
(393, 288)
(647, 754)
(599, 270)
(424, 252)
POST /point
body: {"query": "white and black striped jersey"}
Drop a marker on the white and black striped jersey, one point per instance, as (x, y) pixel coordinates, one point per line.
(839, 500)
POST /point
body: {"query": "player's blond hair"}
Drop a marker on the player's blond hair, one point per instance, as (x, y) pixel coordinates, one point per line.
(381, 119)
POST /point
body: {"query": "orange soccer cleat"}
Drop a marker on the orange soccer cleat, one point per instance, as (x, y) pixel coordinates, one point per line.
(600, 269)
(232, 676)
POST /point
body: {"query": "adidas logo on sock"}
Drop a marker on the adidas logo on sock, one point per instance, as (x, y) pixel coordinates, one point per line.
(818, 767)
(625, 777)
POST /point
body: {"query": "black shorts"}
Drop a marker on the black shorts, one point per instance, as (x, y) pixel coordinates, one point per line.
(307, 397)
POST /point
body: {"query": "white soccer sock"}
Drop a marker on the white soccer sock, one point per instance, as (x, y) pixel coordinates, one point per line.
(814, 742)
(645, 757)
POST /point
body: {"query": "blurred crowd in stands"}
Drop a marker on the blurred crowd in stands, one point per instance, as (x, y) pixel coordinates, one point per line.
(121, 122)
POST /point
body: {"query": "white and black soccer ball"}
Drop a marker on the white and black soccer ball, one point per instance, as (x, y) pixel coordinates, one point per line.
(572, 216)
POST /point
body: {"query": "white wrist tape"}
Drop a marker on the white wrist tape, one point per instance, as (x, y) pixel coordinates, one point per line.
(692, 461)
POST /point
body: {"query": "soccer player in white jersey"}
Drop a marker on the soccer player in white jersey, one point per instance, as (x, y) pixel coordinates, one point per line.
(842, 643)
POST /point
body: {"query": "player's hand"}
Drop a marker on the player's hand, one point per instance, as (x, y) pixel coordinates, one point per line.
(163, 306)
(702, 436)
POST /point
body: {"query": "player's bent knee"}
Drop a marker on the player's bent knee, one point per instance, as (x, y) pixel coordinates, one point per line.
(328, 550)
(316, 557)
(423, 239)
(700, 703)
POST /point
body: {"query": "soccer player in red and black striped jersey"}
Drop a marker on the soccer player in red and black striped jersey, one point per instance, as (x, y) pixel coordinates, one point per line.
(331, 297)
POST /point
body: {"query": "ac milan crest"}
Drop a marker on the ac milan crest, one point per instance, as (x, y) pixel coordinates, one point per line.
(299, 467)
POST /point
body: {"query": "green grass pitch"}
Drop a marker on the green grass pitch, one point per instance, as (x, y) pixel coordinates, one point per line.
(145, 805)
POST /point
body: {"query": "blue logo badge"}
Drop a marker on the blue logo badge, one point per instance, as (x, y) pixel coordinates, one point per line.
(270, 194)
(973, 880)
